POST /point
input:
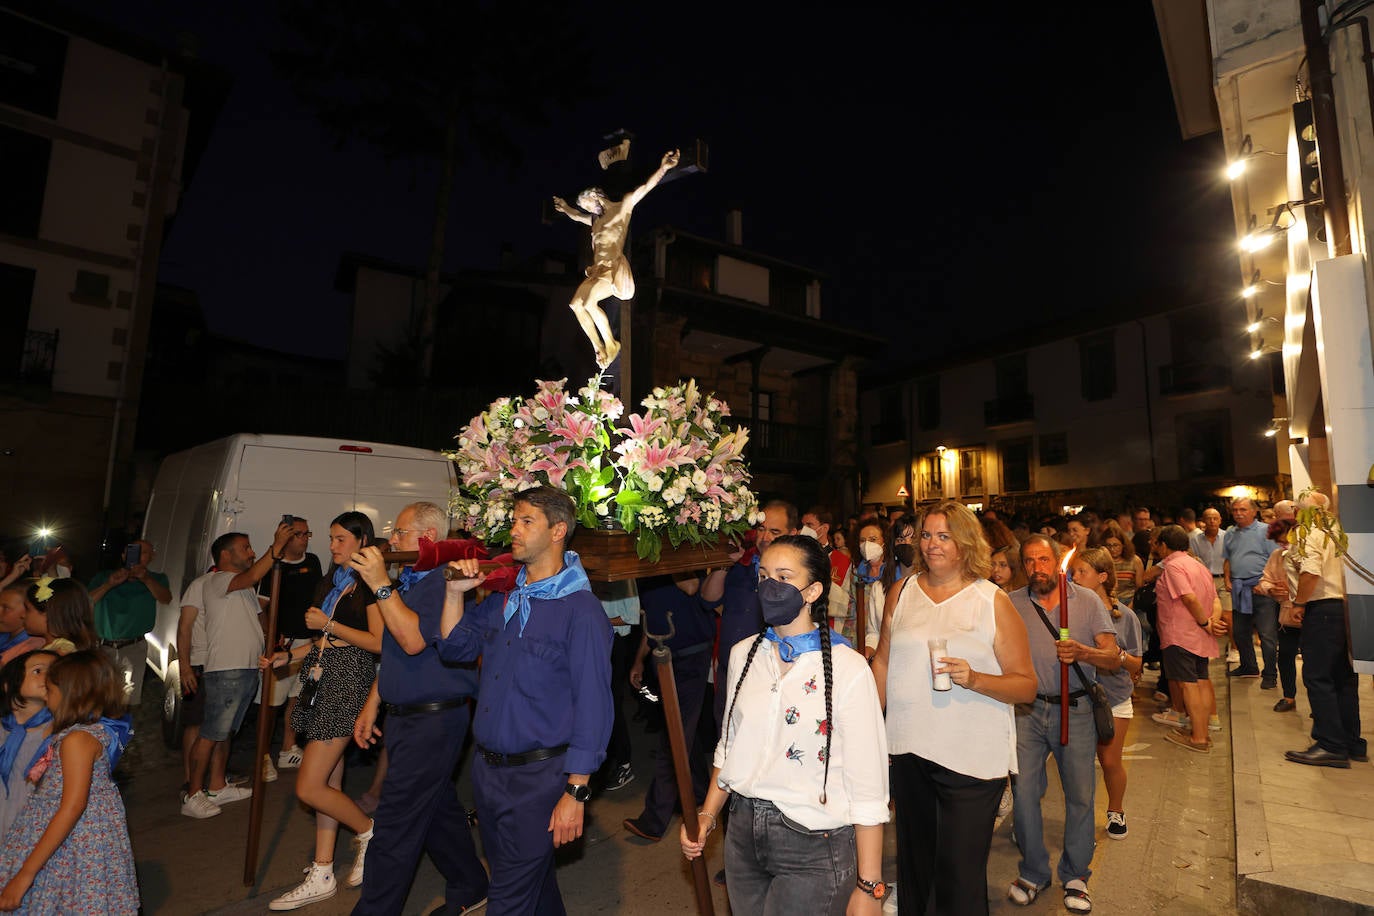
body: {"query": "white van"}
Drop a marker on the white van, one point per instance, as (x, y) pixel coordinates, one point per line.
(247, 482)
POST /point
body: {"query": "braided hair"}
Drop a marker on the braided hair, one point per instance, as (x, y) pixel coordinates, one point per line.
(818, 568)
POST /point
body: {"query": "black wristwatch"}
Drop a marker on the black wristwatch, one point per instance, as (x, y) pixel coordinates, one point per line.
(875, 889)
(579, 793)
(383, 593)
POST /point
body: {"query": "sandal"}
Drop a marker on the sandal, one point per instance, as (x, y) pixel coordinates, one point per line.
(1023, 892)
(1185, 740)
(1076, 897)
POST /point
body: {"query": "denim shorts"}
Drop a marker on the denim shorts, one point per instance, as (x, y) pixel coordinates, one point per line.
(228, 694)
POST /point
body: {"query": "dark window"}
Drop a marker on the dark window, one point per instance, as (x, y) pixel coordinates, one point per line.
(16, 295)
(928, 402)
(1016, 466)
(890, 427)
(691, 268)
(1054, 449)
(1097, 365)
(971, 472)
(1193, 336)
(91, 285)
(23, 179)
(1013, 381)
(1204, 443)
(787, 292)
(32, 59)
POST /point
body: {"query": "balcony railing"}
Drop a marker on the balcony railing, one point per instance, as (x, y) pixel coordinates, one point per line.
(784, 444)
(1193, 378)
(1001, 411)
(31, 363)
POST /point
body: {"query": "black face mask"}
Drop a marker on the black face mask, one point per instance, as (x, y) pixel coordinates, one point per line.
(906, 554)
(780, 602)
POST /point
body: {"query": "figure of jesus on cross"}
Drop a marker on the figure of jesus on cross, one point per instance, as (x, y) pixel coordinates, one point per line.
(609, 273)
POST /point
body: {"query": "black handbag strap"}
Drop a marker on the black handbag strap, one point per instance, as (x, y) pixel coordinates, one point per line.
(1054, 634)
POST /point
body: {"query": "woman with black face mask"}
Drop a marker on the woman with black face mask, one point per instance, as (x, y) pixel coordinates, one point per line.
(809, 794)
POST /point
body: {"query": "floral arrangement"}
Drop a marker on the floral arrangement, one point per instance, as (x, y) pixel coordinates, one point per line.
(676, 472)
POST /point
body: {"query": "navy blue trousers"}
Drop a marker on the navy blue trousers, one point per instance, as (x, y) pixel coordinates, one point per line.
(514, 805)
(420, 813)
(690, 676)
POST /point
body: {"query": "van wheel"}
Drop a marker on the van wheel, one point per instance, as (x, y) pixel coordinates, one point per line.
(171, 709)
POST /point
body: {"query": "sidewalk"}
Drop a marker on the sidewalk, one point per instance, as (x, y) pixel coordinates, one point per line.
(1304, 835)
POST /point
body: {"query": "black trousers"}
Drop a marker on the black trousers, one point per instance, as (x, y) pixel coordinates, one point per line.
(944, 835)
(623, 650)
(1332, 685)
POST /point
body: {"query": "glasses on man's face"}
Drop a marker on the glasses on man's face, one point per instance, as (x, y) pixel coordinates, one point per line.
(302, 534)
(402, 532)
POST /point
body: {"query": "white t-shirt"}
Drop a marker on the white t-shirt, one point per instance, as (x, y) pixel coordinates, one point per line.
(875, 598)
(194, 596)
(777, 738)
(233, 634)
(959, 729)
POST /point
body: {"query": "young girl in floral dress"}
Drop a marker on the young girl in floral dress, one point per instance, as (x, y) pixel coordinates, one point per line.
(24, 729)
(69, 851)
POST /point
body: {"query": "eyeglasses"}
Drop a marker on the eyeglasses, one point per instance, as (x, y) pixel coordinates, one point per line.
(302, 534)
(402, 532)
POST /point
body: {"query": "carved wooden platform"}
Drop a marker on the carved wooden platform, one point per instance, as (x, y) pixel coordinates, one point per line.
(609, 556)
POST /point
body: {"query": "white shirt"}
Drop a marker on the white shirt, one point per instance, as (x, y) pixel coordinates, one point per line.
(875, 598)
(234, 638)
(1209, 552)
(959, 729)
(776, 738)
(194, 596)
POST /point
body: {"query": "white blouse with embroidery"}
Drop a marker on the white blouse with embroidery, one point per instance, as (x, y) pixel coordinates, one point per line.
(774, 747)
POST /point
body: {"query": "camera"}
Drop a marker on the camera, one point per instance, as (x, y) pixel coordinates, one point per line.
(132, 555)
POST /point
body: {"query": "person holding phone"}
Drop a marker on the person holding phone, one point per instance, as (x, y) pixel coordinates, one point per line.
(126, 601)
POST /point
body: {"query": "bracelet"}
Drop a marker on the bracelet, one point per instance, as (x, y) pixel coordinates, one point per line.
(714, 822)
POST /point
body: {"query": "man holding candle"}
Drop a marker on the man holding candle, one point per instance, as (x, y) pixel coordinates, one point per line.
(1092, 644)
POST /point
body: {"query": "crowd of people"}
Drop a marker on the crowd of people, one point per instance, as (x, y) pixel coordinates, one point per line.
(899, 667)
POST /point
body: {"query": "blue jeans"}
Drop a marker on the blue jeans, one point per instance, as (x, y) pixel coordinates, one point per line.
(1037, 738)
(228, 694)
(1265, 621)
(776, 867)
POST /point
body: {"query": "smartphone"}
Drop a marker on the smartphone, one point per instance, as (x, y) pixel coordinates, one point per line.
(132, 555)
(287, 518)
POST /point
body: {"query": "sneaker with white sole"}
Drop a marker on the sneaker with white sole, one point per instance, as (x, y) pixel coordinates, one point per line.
(1173, 719)
(290, 757)
(269, 772)
(199, 806)
(229, 794)
(319, 884)
(355, 874)
(1116, 825)
(621, 777)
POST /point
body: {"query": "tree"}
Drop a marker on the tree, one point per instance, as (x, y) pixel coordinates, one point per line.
(433, 79)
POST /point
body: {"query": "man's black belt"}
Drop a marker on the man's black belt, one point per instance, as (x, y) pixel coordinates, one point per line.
(1056, 698)
(415, 709)
(518, 760)
(120, 643)
(692, 650)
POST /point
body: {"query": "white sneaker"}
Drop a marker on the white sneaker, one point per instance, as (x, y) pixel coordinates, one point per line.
(290, 757)
(229, 794)
(355, 874)
(318, 885)
(269, 772)
(200, 806)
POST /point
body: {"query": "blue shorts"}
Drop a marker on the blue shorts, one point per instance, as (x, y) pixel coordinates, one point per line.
(228, 694)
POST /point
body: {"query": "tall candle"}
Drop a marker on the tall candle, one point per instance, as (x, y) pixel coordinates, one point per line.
(1063, 636)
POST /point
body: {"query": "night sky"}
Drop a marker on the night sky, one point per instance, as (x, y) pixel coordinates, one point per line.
(956, 174)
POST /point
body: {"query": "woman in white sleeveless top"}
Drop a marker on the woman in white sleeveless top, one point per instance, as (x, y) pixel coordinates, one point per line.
(952, 749)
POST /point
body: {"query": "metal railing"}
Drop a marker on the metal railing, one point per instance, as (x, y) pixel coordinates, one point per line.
(783, 444)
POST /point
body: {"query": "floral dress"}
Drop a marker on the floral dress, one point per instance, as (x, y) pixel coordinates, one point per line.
(92, 872)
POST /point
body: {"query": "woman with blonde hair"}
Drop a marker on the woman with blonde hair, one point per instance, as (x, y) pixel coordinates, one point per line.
(1095, 569)
(952, 741)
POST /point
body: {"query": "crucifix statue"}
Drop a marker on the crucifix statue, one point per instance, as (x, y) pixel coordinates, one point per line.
(609, 273)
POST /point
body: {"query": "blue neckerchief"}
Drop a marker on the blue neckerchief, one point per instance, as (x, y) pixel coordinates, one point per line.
(861, 573)
(343, 577)
(409, 577)
(755, 562)
(14, 740)
(120, 731)
(7, 643)
(790, 647)
(571, 578)
(1243, 594)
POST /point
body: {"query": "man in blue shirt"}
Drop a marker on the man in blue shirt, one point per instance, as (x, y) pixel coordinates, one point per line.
(676, 605)
(544, 712)
(426, 702)
(1244, 554)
